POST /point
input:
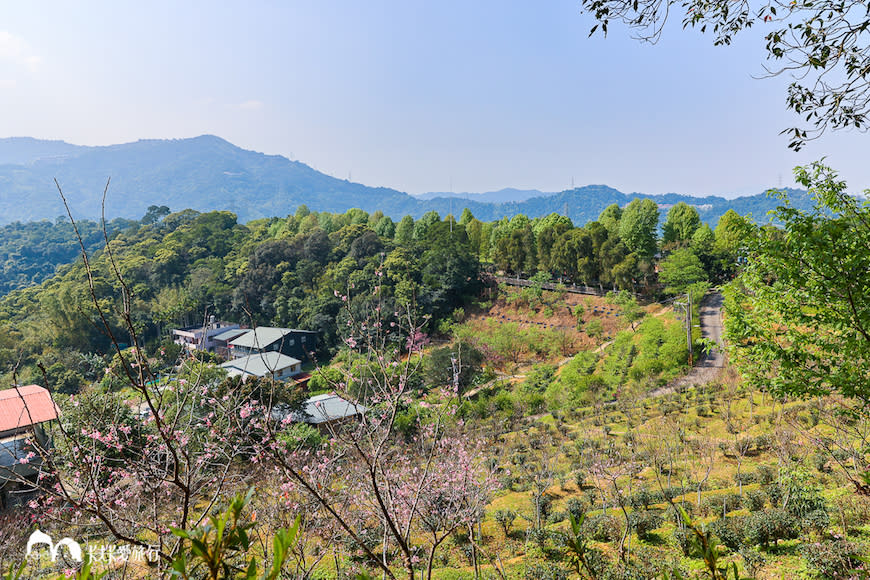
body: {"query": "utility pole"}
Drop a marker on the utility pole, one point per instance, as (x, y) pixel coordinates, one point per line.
(688, 308)
(689, 328)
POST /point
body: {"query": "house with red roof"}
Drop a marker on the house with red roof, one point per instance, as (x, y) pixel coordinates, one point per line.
(25, 411)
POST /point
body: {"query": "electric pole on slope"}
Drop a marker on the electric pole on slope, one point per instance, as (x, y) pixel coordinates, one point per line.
(687, 305)
(689, 328)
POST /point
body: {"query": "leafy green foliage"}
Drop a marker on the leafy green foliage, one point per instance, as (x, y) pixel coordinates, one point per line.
(681, 224)
(680, 270)
(638, 226)
(643, 522)
(289, 272)
(834, 559)
(588, 561)
(220, 548)
(799, 314)
(31, 252)
(771, 525)
(460, 361)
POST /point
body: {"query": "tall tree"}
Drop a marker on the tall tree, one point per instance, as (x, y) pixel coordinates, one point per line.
(422, 225)
(405, 231)
(681, 269)
(799, 313)
(547, 231)
(638, 225)
(609, 218)
(680, 225)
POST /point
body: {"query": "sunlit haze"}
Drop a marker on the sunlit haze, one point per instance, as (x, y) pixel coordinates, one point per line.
(418, 96)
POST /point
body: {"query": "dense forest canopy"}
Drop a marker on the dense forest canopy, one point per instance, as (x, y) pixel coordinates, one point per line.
(30, 252)
(184, 267)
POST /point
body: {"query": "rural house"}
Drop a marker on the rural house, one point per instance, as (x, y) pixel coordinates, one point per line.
(325, 411)
(202, 337)
(273, 365)
(291, 342)
(23, 412)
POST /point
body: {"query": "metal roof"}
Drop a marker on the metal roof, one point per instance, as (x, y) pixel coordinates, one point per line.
(260, 364)
(330, 407)
(25, 406)
(229, 334)
(207, 326)
(263, 336)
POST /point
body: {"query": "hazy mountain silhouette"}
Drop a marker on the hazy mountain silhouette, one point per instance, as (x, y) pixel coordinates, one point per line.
(207, 173)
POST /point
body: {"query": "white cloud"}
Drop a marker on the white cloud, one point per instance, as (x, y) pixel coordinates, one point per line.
(14, 49)
(251, 105)
(8, 83)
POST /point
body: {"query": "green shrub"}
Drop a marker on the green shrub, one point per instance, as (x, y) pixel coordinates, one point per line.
(770, 526)
(545, 571)
(300, 435)
(763, 442)
(765, 474)
(804, 493)
(505, 519)
(576, 508)
(673, 491)
(219, 548)
(602, 528)
(643, 498)
(644, 522)
(753, 562)
(817, 521)
(720, 504)
(684, 539)
(594, 328)
(833, 559)
(775, 495)
(729, 531)
(539, 378)
(754, 500)
(674, 515)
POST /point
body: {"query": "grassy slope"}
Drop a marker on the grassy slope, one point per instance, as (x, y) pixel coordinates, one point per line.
(719, 413)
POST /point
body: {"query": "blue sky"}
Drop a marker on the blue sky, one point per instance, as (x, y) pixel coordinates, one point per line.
(419, 96)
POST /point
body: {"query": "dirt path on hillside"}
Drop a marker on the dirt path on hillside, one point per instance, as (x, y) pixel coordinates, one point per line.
(704, 372)
(712, 363)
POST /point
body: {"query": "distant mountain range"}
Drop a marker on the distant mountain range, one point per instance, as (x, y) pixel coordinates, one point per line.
(208, 173)
(507, 194)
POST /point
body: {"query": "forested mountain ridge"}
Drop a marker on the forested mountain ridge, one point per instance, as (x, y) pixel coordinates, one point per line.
(30, 252)
(507, 194)
(205, 173)
(208, 173)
